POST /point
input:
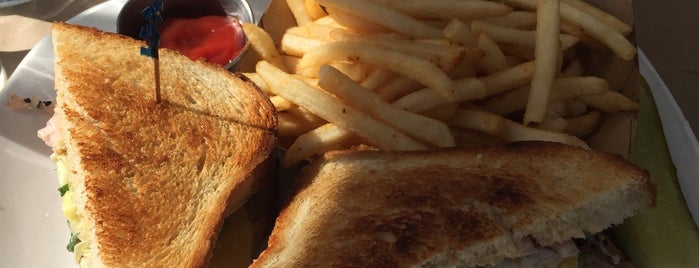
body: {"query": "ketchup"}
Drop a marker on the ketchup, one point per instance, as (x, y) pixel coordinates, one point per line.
(217, 39)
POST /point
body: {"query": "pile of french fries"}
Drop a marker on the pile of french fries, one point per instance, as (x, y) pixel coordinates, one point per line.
(419, 74)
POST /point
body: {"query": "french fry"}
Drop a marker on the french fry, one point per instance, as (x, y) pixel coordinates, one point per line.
(553, 123)
(610, 102)
(461, 70)
(583, 125)
(276, 25)
(397, 87)
(420, 70)
(574, 68)
(494, 60)
(384, 16)
(508, 79)
(258, 81)
(467, 89)
(327, 20)
(436, 23)
(262, 43)
(478, 120)
(448, 9)
(575, 108)
(297, 45)
(353, 22)
(434, 41)
(313, 31)
(525, 20)
(446, 57)
(308, 80)
(555, 111)
(298, 9)
(314, 10)
(377, 78)
(291, 126)
(420, 100)
(513, 131)
(546, 60)
(519, 51)
(514, 61)
(291, 62)
(561, 89)
(280, 104)
(305, 115)
(612, 21)
(466, 137)
(592, 25)
(508, 102)
(417, 126)
(335, 110)
(442, 113)
(460, 32)
(514, 36)
(355, 70)
(317, 141)
(575, 30)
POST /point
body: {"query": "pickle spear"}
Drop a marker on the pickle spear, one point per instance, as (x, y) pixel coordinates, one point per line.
(664, 236)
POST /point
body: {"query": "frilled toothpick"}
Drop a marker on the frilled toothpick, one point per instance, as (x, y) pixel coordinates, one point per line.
(151, 33)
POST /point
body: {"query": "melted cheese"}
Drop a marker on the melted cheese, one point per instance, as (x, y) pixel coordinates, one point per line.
(71, 212)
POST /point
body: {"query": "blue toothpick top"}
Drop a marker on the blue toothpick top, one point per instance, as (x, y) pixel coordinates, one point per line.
(151, 31)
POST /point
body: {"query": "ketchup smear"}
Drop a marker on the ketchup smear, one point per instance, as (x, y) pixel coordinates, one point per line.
(217, 39)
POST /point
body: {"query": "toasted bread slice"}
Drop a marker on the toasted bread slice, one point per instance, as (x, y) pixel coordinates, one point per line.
(152, 182)
(461, 207)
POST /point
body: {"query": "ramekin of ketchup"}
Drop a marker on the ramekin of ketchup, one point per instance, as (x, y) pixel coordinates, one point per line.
(217, 39)
(203, 29)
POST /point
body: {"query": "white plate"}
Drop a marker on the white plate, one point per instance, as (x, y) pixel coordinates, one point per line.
(679, 136)
(33, 230)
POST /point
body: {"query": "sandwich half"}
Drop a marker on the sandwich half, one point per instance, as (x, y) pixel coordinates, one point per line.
(511, 205)
(148, 184)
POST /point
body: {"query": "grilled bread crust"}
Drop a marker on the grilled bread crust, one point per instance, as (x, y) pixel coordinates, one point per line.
(154, 181)
(461, 207)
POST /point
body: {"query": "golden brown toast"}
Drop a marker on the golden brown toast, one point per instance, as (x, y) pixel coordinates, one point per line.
(460, 207)
(154, 181)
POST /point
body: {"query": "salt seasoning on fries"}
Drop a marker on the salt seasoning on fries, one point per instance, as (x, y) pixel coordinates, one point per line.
(417, 74)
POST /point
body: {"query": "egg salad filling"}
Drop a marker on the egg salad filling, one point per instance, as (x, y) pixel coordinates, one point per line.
(78, 243)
